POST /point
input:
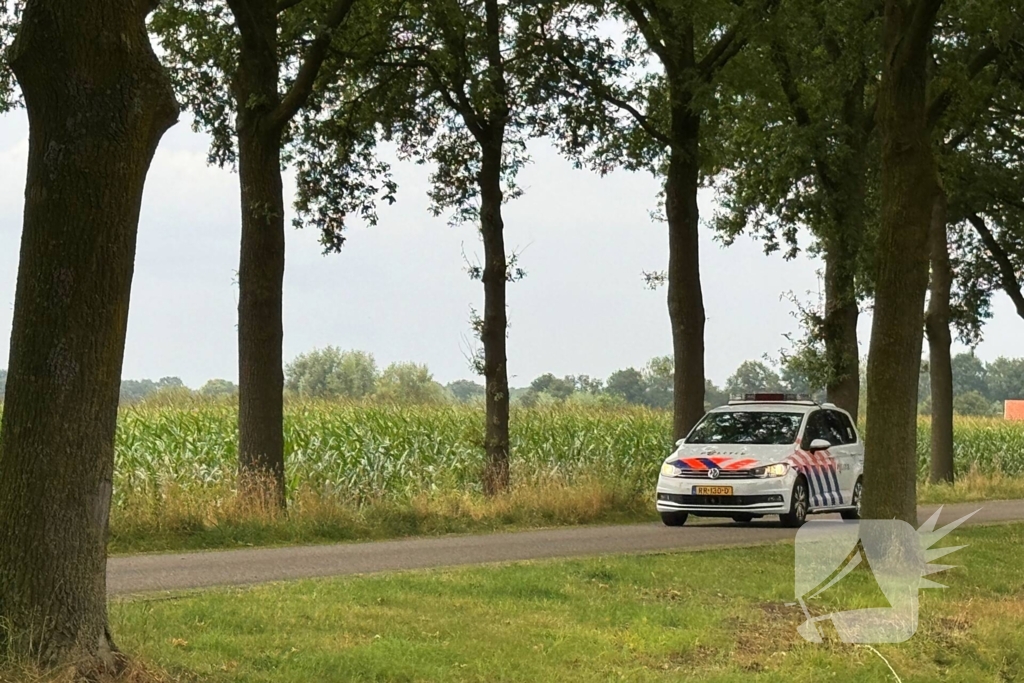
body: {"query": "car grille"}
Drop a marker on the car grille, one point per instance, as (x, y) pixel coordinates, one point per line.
(725, 501)
(722, 474)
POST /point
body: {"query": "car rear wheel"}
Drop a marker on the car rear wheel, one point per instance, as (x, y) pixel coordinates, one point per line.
(858, 492)
(674, 518)
(797, 514)
(743, 519)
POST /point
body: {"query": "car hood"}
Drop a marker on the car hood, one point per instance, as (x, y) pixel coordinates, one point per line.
(728, 456)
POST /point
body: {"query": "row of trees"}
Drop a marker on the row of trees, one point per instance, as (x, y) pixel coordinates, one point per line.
(888, 131)
(979, 388)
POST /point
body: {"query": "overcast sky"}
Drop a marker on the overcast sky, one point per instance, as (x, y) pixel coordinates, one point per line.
(400, 291)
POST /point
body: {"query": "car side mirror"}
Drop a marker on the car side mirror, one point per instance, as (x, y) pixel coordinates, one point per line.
(819, 445)
(680, 442)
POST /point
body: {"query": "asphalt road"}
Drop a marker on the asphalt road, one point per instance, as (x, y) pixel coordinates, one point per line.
(183, 571)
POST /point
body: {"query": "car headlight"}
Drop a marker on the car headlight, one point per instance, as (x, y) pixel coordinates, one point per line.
(670, 470)
(778, 469)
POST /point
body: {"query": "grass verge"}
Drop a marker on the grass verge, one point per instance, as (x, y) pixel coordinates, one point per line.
(182, 520)
(699, 616)
(186, 521)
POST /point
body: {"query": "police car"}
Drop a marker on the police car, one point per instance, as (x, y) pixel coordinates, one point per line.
(765, 454)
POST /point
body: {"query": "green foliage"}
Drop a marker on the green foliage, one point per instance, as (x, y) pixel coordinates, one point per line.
(441, 84)
(627, 384)
(466, 391)
(713, 396)
(651, 387)
(614, 95)
(558, 389)
(409, 383)
(331, 141)
(217, 388)
(136, 390)
(969, 374)
(978, 109)
(753, 376)
(332, 373)
(973, 403)
(1005, 379)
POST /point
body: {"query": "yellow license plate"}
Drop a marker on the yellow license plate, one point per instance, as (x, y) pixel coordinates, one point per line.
(712, 490)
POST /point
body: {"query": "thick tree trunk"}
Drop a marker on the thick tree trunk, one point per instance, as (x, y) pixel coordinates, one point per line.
(98, 102)
(495, 323)
(261, 265)
(685, 297)
(908, 187)
(939, 342)
(260, 327)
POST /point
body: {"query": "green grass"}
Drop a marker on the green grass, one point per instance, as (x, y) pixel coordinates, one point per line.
(370, 471)
(701, 616)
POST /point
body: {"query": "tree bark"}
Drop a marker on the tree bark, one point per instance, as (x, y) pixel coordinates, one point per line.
(685, 296)
(98, 103)
(261, 263)
(495, 322)
(840, 329)
(908, 187)
(940, 365)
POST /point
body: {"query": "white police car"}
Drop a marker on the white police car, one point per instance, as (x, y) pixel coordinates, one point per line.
(765, 454)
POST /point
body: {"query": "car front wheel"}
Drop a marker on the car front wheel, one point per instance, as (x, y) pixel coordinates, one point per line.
(858, 492)
(797, 514)
(674, 518)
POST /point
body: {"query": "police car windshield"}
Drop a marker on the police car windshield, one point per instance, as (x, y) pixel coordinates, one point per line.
(747, 427)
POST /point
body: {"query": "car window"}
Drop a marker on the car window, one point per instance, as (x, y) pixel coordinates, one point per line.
(815, 429)
(746, 427)
(836, 428)
(845, 426)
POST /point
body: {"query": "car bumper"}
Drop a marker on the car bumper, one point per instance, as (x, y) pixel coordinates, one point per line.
(749, 496)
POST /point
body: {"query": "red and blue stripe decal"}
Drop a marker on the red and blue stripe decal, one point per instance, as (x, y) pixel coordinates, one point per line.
(713, 462)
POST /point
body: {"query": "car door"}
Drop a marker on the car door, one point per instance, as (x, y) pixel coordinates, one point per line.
(850, 454)
(821, 468)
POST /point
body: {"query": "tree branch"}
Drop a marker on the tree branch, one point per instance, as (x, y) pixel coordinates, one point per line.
(731, 42)
(800, 112)
(283, 5)
(724, 49)
(302, 87)
(1007, 274)
(940, 103)
(604, 93)
(646, 30)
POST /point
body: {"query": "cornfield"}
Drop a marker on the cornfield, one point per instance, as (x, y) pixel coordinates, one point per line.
(367, 452)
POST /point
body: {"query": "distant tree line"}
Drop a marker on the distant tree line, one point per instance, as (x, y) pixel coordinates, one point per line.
(171, 388)
(979, 388)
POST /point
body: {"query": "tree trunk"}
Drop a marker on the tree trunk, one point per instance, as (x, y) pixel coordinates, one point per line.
(261, 265)
(840, 329)
(98, 102)
(495, 322)
(908, 187)
(939, 342)
(842, 261)
(685, 298)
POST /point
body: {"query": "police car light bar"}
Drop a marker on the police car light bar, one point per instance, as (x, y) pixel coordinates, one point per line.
(771, 397)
